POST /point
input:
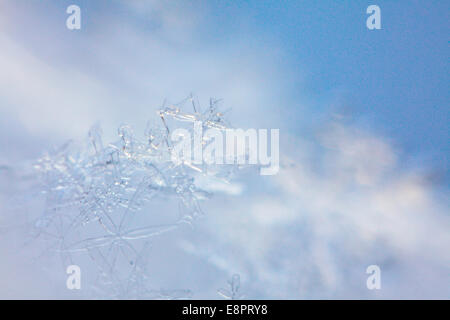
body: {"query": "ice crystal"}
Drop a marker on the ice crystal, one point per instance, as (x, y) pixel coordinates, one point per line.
(99, 196)
(234, 290)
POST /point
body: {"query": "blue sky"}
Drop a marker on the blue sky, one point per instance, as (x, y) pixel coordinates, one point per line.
(363, 119)
(394, 80)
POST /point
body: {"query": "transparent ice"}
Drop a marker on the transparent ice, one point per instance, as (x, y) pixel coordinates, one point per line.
(233, 292)
(100, 196)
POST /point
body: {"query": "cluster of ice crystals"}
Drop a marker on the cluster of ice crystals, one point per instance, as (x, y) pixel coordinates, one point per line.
(99, 196)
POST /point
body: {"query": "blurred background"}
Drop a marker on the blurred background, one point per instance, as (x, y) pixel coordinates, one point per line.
(364, 140)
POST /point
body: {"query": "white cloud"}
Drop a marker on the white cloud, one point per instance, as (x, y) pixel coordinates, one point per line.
(328, 216)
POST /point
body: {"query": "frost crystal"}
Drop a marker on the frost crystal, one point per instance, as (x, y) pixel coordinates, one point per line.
(234, 291)
(99, 199)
